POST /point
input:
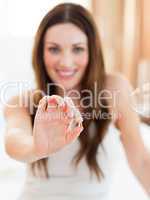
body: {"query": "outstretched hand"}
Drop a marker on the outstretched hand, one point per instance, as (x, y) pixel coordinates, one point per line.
(57, 123)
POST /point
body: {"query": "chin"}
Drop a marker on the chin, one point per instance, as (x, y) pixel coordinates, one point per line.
(69, 87)
(67, 84)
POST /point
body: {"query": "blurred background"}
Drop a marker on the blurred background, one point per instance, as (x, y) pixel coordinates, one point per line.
(124, 27)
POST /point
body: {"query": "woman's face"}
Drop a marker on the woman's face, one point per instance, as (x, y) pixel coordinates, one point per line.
(66, 54)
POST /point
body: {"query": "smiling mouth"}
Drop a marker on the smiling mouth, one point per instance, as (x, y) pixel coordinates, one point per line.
(66, 73)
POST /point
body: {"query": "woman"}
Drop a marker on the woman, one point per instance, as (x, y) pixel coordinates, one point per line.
(67, 61)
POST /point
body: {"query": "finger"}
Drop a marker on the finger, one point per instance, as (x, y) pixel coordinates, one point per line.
(72, 135)
(55, 102)
(51, 103)
(69, 107)
(41, 108)
(73, 124)
(73, 110)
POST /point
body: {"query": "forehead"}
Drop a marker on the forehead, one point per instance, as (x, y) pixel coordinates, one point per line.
(65, 34)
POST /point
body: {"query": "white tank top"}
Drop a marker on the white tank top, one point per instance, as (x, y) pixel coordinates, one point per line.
(68, 183)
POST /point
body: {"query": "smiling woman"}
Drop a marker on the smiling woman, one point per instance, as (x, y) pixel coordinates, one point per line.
(68, 155)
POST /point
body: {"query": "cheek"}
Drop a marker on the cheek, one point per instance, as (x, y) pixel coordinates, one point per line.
(50, 61)
(83, 61)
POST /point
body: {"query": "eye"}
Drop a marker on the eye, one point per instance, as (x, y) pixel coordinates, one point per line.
(78, 49)
(54, 49)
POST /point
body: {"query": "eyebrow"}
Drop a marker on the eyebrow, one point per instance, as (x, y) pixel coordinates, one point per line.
(75, 44)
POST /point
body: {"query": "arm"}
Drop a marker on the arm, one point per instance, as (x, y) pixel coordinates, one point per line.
(49, 134)
(137, 155)
(18, 135)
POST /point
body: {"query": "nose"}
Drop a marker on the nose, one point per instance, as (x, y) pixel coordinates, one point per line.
(66, 60)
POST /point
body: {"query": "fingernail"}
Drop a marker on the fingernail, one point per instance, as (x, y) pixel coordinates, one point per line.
(52, 100)
(64, 107)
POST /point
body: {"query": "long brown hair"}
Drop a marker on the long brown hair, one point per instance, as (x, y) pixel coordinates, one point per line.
(95, 73)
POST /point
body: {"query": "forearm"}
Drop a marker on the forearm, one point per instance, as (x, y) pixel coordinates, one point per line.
(19, 146)
(142, 171)
(145, 176)
(138, 158)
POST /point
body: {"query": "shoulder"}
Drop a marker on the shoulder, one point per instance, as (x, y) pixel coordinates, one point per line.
(119, 94)
(119, 87)
(117, 81)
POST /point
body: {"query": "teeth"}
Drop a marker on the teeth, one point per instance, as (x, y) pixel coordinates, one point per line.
(65, 73)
